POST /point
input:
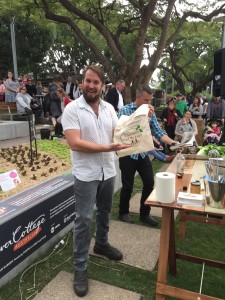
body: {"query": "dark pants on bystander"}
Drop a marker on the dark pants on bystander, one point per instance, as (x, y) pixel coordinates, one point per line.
(128, 167)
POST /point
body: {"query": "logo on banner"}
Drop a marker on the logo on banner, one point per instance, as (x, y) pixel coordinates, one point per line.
(22, 236)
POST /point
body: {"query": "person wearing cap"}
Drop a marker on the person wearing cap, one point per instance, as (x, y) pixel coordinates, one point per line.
(139, 162)
(216, 109)
(180, 104)
(170, 117)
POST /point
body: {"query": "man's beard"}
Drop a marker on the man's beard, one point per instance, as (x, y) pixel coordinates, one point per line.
(91, 97)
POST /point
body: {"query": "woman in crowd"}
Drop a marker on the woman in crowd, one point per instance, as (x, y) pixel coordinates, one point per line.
(57, 114)
(196, 108)
(23, 101)
(185, 127)
(170, 117)
(39, 87)
(55, 107)
(204, 106)
(24, 79)
(64, 99)
(11, 88)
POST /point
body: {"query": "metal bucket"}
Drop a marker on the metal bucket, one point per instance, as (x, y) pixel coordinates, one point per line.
(220, 164)
(215, 193)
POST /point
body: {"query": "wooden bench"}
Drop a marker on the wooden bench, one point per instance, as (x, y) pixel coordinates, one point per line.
(8, 110)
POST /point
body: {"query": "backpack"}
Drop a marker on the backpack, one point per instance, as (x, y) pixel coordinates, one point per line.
(58, 129)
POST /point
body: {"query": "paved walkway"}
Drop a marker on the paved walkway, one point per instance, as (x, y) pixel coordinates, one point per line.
(23, 140)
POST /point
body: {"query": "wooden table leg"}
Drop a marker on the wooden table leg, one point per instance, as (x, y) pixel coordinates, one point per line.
(182, 223)
(172, 246)
(164, 250)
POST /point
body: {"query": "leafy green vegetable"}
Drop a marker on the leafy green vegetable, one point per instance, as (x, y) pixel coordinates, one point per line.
(204, 150)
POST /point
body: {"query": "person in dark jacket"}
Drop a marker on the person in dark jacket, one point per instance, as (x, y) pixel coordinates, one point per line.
(68, 87)
(170, 116)
(55, 100)
(216, 109)
(31, 88)
(114, 95)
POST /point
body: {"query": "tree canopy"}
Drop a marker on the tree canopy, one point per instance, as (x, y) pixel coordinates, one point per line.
(117, 32)
(189, 60)
(32, 41)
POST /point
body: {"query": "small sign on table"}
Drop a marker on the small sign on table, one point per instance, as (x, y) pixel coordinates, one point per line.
(9, 180)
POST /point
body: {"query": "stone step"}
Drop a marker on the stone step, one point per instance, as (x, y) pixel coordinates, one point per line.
(139, 244)
(61, 287)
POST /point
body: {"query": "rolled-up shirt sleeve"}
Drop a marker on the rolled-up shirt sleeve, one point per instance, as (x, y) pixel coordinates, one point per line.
(155, 128)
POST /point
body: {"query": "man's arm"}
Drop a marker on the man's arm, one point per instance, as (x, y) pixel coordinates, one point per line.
(165, 139)
(159, 133)
(75, 142)
(22, 102)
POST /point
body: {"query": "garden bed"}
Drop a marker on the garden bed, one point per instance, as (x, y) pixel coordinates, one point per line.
(52, 160)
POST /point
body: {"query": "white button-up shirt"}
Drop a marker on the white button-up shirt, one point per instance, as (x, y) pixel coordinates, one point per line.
(79, 115)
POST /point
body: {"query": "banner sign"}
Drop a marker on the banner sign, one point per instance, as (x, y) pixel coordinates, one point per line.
(31, 218)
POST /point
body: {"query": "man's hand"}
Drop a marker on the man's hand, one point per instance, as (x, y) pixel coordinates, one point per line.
(28, 111)
(117, 147)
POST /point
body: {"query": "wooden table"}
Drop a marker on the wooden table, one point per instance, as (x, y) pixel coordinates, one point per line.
(167, 253)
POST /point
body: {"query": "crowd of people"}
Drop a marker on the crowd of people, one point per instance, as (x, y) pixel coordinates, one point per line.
(180, 116)
(49, 101)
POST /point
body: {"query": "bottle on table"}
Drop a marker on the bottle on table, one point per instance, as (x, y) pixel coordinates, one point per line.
(180, 165)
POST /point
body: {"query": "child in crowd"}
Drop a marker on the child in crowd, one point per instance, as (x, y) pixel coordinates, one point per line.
(212, 135)
(181, 128)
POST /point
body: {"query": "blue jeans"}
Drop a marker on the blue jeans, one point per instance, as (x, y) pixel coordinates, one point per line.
(87, 194)
(158, 154)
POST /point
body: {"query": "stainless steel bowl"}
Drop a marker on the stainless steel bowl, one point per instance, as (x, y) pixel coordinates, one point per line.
(218, 163)
(215, 193)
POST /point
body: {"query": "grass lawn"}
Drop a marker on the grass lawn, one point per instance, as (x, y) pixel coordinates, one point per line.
(201, 239)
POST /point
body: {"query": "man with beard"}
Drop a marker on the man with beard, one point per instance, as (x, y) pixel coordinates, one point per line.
(216, 109)
(88, 125)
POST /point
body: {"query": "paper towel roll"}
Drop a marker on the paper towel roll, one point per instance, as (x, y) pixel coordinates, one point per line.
(165, 187)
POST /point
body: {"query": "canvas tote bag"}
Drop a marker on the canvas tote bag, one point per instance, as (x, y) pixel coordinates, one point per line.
(134, 130)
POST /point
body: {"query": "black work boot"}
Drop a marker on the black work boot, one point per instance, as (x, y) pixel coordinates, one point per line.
(80, 283)
(108, 251)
